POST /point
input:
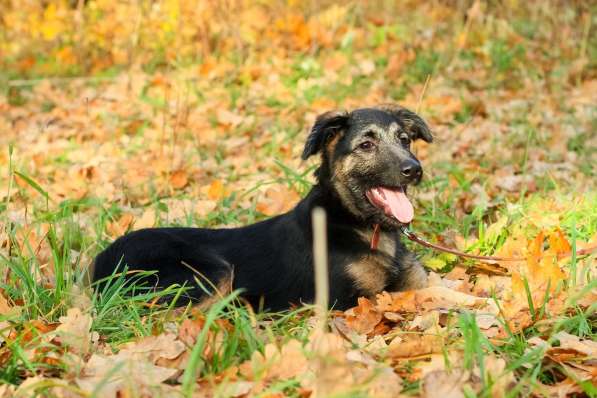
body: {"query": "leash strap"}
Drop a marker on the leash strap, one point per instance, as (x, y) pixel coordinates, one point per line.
(412, 236)
(488, 259)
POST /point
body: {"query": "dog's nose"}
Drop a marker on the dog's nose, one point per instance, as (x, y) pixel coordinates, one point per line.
(411, 169)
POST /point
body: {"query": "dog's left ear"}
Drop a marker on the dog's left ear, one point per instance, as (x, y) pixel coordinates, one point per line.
(326, 126)
(413, 123)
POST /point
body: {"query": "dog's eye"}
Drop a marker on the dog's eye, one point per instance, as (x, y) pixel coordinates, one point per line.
(404, 139)
(367, 145)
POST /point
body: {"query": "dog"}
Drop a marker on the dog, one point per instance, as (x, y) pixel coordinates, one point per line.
(361, 183)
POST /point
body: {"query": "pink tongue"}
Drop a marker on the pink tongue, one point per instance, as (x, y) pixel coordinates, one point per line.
(398, 204)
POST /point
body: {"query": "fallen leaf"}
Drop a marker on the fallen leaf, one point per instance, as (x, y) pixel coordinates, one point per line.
(74, 331)
(568, 341)
(119, 227)
(364, 317)
(154, 348)
(115, 375)
(279, 363)
(227, 118)
(277, 200)
(414, 345)
(216, 190)
(147, 220)
(442, 383)
(179, 179)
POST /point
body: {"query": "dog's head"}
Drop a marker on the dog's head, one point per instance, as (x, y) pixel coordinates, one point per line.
(367, 162)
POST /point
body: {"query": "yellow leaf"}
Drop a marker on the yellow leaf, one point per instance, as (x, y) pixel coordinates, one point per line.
(434, 263)
(51, 26)
(495, 229)
(216, 190)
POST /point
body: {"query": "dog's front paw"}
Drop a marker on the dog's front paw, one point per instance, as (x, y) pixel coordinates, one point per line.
(413, 275)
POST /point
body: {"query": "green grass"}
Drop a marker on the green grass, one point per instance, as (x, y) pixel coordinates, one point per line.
(121, 313)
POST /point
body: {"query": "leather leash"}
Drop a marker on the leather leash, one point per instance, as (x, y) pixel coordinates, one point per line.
(488, 259)
(412, 236)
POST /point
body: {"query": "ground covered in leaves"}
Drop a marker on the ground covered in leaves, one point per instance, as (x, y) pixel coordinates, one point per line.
(118, 116)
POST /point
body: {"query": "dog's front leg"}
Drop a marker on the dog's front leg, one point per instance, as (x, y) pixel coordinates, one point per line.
(412, 274)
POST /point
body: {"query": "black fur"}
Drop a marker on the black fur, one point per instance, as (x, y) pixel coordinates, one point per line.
(271, 261)
(324, 128)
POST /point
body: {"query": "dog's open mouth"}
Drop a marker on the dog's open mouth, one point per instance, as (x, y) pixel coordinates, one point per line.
(393, 202)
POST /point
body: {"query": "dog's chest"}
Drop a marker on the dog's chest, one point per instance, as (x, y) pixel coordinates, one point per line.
(373, 270)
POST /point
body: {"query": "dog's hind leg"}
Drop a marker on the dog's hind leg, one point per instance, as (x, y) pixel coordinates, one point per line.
(174, 258)
(204, 284)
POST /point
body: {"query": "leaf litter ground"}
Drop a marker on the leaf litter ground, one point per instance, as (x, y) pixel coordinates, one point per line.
(217, 142)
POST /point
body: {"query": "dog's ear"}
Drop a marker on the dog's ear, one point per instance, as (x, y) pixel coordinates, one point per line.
(412, 122)
(326, 126)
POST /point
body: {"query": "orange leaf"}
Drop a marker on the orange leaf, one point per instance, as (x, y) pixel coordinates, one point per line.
(535, 247)
(179, 179)
(365, 317)
(558, 242)
(119, 227)
(216, 190)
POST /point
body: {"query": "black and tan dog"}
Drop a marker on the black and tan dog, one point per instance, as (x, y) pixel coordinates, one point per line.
(366, 165)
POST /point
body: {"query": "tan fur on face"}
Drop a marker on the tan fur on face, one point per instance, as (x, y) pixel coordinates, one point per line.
(385, 134)
(339, 181)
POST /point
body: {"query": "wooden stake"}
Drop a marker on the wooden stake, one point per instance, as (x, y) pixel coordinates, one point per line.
(320, 260)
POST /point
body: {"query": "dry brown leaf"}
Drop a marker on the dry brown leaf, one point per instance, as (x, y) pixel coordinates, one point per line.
(5, 309)
(238, 388)
(277, 363)
(563, 389)
(7, 391)
(115, 375)
(414, 345)
(431, 298)
(335, 370)
(227, 118)
(154, 348)
(425, 321)
(383, 383)
(277, 200)
(74, 331)
(441, 383)
(364, 317)
(40, 386)
(403, 302)
(587, 348)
